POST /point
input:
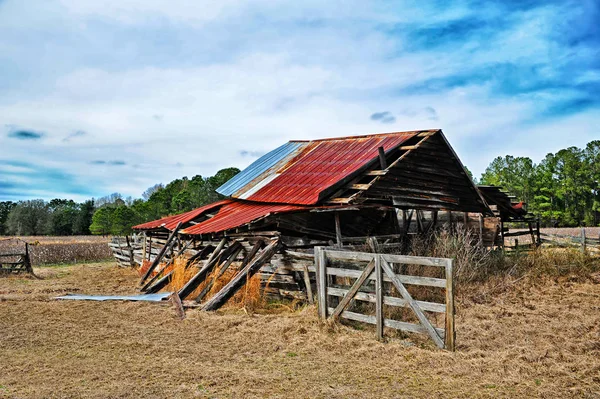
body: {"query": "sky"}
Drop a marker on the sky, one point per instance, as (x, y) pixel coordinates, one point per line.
(108, 96)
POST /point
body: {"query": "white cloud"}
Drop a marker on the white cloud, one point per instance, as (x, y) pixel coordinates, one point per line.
(182, 88)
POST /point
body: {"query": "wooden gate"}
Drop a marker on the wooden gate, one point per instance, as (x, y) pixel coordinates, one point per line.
(378, 283)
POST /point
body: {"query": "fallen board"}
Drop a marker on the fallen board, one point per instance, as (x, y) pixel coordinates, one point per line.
(145, 297)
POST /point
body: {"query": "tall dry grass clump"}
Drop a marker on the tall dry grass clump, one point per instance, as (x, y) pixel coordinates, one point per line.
(475, 263)
(250, 296)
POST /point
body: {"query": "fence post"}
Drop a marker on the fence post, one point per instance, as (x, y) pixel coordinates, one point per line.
(450, 334)
(379, 297)
(583, 239)
(321, 266)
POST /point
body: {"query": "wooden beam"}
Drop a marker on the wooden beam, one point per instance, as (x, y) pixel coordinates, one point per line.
(376, 173)
(221, 297)
(338, 230)
(199, 277)
(382, 160)
(168, 245)
(160, 284)
(379, 299)
(234, 254)
(450, 333)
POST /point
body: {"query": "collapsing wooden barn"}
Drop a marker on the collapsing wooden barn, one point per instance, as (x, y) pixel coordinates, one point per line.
(331, 192)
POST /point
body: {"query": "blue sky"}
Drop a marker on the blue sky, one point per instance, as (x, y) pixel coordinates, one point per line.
(114, 96)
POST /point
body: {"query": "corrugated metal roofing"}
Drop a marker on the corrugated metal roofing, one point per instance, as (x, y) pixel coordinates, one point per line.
(236, 214)
(170, 222)
(300, 171)
(260, 168)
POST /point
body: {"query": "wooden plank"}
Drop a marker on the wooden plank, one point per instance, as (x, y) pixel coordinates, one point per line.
(359, 187)
(300, 255)
(379, 319)
(222, 271)
(415, 260)
(353, 290)
(240, 279)
(168, 244)
(376, 173)
(309, 292)
(382, 160)
(160, 284)
(398, 325)
(338, 229)
(199, 277)
(321, 266)
(413, 305)
(388, 300)
(412, 280)
(450, 333)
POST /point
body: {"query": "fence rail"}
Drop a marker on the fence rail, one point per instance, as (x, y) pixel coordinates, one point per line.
(380, 270)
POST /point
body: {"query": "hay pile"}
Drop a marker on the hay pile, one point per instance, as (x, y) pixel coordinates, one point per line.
(251, 296)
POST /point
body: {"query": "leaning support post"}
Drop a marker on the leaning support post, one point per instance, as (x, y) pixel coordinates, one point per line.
(208, 267)
(241, 278)
(450, 334)
(233, 255)
(168, 244)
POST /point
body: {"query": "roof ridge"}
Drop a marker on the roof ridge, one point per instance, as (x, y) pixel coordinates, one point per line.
(368, 136)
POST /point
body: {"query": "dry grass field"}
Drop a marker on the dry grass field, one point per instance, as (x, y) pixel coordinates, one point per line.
(515, 339)
(64, 249)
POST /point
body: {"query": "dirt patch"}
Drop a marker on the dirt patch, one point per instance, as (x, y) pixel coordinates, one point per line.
(533, 340)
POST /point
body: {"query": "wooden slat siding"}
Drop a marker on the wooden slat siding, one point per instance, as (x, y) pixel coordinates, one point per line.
(413, 305)
(222, 271)
(353, 290)
(405, 279)
(160, 284)
(388, 300)
(398, 325)
(168, 244)
(379, 319)
(221, 297)
(321, 266)
(450, 332)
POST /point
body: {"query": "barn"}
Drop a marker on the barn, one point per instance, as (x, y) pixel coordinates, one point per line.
(345, 192)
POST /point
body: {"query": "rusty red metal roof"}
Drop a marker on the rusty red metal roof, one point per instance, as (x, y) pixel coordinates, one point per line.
(302, 174)
(170, 222)
(237, 213)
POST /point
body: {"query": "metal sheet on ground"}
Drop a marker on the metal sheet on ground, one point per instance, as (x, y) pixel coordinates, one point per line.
(147, 297)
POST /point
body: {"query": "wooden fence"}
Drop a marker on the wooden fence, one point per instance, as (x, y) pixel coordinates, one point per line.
(16, 262)
(380, 269)
(127, 251)
(583, 241)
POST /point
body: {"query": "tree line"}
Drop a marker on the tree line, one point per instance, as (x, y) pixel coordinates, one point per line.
(562, 190)
(113, 214)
